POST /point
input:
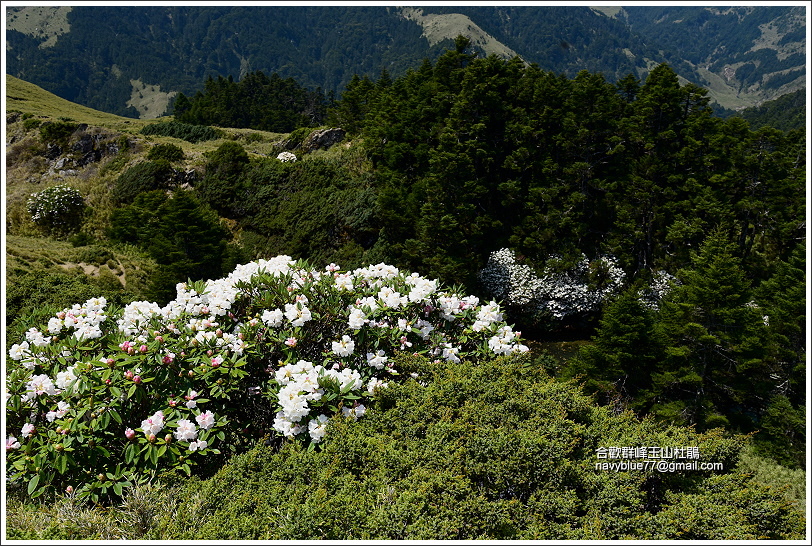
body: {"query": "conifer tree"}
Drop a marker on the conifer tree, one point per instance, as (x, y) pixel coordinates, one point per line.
(714, 370)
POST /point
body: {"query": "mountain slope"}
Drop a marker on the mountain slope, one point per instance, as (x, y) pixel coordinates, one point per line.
(132, 60)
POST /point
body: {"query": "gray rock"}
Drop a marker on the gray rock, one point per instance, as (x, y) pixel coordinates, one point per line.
(323, 139)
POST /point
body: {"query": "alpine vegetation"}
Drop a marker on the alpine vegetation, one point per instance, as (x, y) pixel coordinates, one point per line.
(558, 292)
(104, 398)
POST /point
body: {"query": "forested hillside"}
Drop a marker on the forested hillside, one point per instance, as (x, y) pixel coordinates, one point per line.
(133, 60)
(533, 207)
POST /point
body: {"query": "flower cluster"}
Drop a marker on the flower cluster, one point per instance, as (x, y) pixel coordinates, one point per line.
(661, 284)
(121, 389)
(557, 292)
(56, 207)
(286, 157)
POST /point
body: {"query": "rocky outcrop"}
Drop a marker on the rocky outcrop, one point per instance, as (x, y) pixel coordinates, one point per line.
(322, 139)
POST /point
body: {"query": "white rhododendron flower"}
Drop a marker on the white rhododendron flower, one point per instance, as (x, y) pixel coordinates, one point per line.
(556, 293)
(153, 424)
(186, 431)
(344, 347)
(319, 338)
(205, 420)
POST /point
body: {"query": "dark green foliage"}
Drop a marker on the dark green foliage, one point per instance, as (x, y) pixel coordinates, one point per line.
(29, 124)
(710, 355)
(184, 237)
(492, 450)
(785, 113)
(256, 101)
(221, 186)
(169, 152)
(36, 296)
(57, 131)
(142, 177)
(318, 209)
(627, 348)
(184, 131)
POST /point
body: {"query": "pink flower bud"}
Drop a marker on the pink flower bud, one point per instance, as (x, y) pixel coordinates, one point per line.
(151, 438)
(111, 361)
(143, 348)
(168, 438)
(159, 339)
(128, 374)
(69, 489)
(137, 379)
(168, 359)
(108, 381)
(173, 403)
(129, 433)
(209, 352)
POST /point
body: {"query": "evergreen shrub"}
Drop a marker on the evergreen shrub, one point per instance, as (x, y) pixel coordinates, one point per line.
(479, 449)
(168, 152)
(57, 131)
(140, 178)
(183, 131)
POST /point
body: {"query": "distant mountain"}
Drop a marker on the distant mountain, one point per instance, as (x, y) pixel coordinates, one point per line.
(132, 60)
(786, 113)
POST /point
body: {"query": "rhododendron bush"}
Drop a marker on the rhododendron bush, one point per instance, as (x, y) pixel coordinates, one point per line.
(556, 293)
(101, 398)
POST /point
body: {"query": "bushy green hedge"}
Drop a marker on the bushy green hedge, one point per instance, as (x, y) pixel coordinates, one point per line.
(183, 131)
(489, 450)
(140, 178)
(169, 152)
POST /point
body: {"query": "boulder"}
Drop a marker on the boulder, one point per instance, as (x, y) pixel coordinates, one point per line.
(322, 139)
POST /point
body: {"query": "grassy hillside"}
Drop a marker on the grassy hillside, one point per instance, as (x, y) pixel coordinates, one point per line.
(43, 270)
(28, 98)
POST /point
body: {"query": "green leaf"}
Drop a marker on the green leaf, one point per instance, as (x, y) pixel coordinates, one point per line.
(115, 415)
(129, 453)
(33, 484)
(61, 463)
(117, 489)
(153, 455)
(131, 391)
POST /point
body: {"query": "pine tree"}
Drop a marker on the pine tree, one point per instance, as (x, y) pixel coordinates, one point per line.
(713, 373)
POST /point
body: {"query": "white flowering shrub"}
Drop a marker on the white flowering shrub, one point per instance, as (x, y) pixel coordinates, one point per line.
(556, 293)
(101, 398)
(661, 284)
(286, 157)
(58, 208)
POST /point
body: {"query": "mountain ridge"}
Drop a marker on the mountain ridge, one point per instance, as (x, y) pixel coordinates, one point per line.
(743, 55)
